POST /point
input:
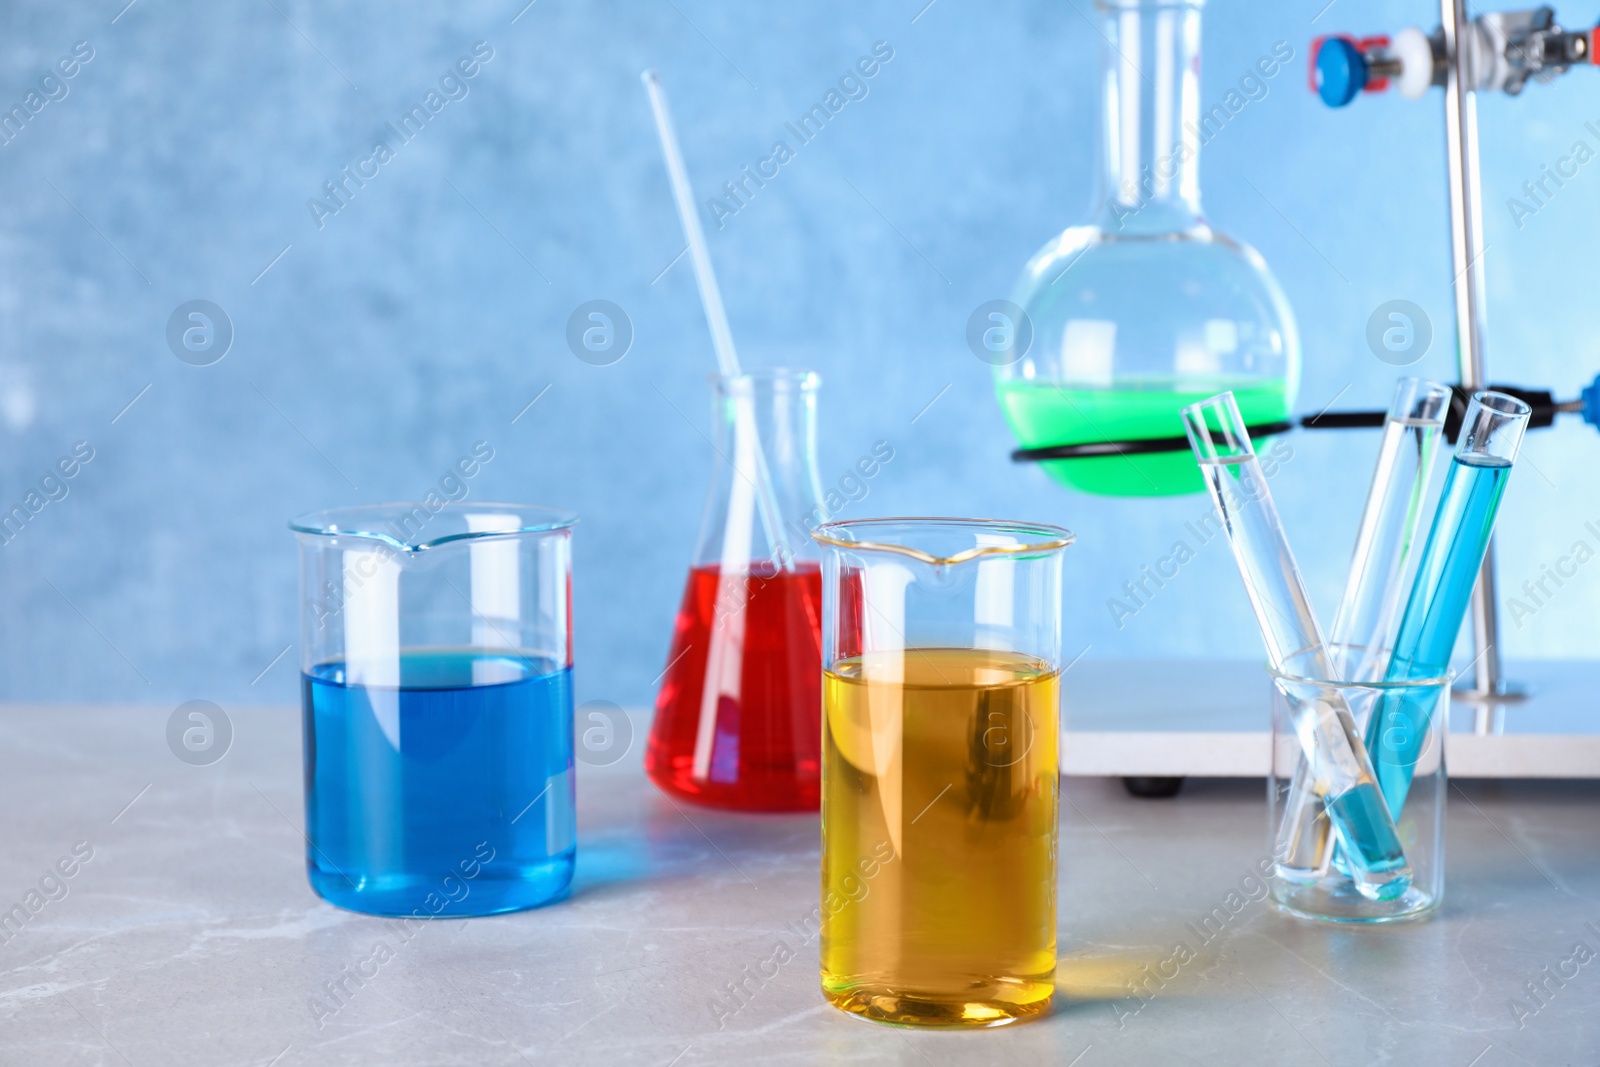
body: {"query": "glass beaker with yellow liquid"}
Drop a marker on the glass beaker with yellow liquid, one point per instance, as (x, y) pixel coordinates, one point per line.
(941, 647)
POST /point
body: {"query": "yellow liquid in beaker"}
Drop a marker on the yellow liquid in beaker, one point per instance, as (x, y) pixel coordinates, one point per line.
(939, 797)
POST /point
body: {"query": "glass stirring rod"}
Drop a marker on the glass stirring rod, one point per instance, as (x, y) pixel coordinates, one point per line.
(1364, 628)
(1342, 774)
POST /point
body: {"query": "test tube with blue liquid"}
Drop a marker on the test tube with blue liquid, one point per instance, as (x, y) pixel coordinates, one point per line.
(1491, 434)
(1342, 775)
(437, 706)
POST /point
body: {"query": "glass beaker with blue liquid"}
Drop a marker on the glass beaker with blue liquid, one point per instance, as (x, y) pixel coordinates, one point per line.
(436, 663)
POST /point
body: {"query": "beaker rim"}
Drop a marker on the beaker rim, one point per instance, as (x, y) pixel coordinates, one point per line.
(799, 376)
(1442, 681)
(401, 524)
(1029, 538)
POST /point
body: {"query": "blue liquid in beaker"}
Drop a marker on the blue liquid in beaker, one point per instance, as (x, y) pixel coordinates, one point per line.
(448, 795)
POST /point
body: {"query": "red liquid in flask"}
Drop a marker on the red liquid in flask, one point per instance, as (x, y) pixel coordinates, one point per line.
(754, 742)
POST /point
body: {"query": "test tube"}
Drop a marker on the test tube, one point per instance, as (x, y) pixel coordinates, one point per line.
(1369, 613)
(1364, 628)
(1342, 774)
(1491, 434)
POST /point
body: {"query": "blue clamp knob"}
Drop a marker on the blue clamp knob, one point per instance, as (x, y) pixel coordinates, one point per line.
(1341, 72)
(1591, 403)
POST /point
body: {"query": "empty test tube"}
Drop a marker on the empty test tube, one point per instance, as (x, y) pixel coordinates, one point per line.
(1447, 570)
(1369, 614)
(1342, 774)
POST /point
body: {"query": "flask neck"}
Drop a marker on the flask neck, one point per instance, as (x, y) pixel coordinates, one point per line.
(765, 494)
(1150, 144)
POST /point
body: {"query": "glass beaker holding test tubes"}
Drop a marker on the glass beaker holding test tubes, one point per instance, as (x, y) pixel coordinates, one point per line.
(436, 660)
(1407, 719)
(737, 715)
(1329, 893)
(942, 648)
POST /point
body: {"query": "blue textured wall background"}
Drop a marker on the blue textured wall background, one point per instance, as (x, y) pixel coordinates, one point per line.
(428, 312)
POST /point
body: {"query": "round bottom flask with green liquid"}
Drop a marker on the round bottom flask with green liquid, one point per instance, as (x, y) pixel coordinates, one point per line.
(1145, 308)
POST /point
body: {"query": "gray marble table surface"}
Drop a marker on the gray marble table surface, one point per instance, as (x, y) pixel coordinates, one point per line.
(190, 936)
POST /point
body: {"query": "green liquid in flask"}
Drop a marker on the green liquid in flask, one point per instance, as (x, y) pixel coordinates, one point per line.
(1044, 413)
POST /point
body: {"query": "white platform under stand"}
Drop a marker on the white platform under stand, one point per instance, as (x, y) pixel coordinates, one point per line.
(1212, 719)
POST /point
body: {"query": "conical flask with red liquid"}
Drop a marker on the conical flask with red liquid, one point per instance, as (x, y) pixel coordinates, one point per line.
(737, 721)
